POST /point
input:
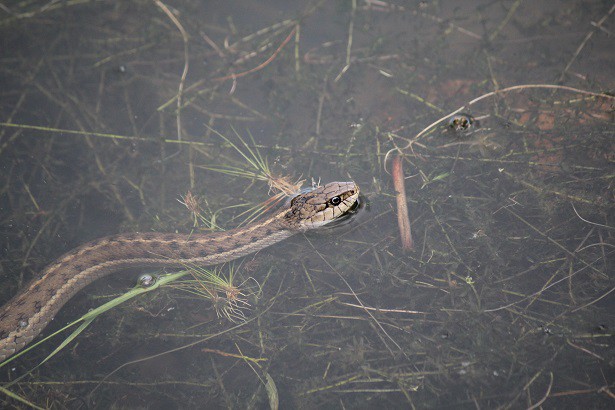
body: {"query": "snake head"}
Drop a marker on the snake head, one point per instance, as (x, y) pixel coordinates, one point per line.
(321, 205)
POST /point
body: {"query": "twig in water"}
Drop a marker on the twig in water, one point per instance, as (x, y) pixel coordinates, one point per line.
(362, 305)
(180, 89)
(585, 40)
(403, 221)
(589, 222)
(539, 403)
(261, 66)
(413, 312)
(349, 44)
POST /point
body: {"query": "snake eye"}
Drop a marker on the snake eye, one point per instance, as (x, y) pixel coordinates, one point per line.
(336, 200)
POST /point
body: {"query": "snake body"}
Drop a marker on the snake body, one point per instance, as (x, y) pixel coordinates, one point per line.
(24, 316)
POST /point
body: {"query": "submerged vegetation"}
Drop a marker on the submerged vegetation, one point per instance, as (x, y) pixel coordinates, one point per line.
(138, 116)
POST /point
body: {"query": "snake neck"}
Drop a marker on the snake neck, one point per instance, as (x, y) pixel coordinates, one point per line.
(27, 313)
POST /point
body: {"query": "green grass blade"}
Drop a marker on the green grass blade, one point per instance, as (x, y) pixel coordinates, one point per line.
(69, 339)
(19, 398)
(91, 315)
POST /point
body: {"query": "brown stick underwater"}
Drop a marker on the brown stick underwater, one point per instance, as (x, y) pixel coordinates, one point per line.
(402, 205)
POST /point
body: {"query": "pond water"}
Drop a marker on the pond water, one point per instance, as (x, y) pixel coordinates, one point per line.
(115, 114)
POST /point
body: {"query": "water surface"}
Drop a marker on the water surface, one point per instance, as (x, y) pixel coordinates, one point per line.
(110, 113)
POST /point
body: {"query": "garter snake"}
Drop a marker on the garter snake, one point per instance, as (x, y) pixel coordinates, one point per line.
(24, 316)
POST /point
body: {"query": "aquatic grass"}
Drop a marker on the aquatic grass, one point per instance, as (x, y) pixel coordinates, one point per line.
(255, 167)
(228, 299)
(19, 398)
(90, 316)
(206, 217)
(509, 298)
(83, 322)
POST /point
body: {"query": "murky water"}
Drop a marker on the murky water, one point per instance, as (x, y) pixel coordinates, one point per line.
(110, 113)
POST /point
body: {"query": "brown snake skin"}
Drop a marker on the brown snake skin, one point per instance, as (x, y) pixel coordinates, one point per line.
(24, 316)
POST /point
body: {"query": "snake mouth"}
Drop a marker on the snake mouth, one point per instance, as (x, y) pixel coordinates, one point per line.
(349, 215)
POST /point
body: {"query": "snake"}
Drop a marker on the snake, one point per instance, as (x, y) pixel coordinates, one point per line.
(27, 313)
